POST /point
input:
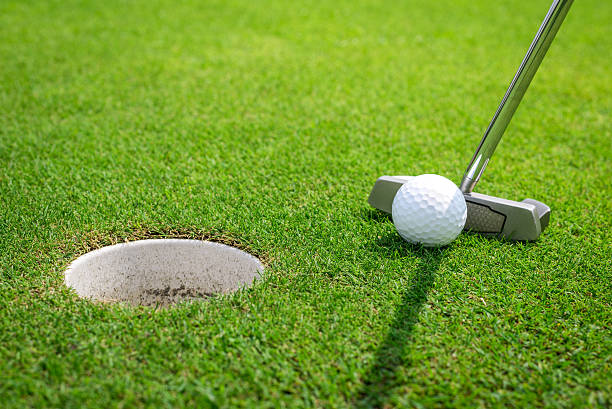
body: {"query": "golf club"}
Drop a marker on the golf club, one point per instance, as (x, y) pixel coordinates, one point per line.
(491, 215)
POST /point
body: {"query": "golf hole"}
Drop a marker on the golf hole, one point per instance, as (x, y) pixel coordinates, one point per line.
(161, 271)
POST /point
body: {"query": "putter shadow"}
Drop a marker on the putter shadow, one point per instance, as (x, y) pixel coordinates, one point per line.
(382, 377)
(374, 215)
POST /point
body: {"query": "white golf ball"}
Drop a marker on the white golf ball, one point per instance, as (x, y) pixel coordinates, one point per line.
(429, 209)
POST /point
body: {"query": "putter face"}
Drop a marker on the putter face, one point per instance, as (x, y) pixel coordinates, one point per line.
(486, 215)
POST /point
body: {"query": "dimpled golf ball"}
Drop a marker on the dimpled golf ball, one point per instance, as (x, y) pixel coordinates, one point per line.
(430, 210)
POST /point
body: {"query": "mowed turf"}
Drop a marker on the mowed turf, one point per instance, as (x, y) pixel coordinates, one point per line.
(265, 124)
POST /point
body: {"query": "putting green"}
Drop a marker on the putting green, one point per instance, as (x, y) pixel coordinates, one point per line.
(264, 125)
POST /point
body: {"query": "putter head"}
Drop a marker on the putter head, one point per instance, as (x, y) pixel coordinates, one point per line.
(486, 215)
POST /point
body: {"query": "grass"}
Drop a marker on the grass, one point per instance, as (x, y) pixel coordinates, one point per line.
(265, 124)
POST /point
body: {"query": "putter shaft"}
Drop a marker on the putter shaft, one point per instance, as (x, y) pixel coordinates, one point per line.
(544, 37)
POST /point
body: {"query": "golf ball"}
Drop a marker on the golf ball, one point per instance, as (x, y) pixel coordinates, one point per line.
(429, 209)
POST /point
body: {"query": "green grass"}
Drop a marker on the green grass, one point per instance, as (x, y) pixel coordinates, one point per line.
(266, 123)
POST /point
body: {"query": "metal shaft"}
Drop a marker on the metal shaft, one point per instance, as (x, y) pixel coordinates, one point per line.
(545, 35)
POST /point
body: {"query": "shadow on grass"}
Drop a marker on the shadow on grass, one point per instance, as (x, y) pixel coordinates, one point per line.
(382, 377)
(374, 215)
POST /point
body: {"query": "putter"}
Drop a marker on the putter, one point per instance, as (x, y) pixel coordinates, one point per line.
(491, 215)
